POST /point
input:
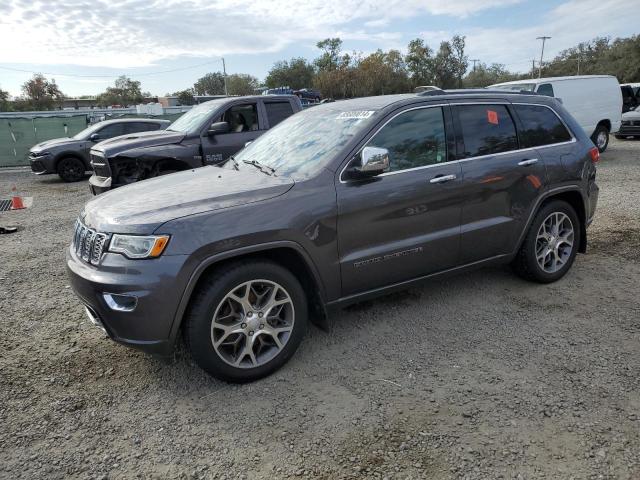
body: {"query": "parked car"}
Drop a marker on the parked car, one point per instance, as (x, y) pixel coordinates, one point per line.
(208, 134)
(308, 94)
(630, 124)
(630, 96)
(69, 157)
(337, 204)
(594, 101)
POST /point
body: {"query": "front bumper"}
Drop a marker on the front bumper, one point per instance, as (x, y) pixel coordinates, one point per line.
(158, 285)
(99, 185)
(629, 129)
(42, 165)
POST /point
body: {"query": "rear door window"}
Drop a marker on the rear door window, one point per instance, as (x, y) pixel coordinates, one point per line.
(414, 139)
(277, 112)
(485, 129)
(540, 126)
(545, 89)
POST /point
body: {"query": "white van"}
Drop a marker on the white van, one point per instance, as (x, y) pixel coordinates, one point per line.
(595, 101)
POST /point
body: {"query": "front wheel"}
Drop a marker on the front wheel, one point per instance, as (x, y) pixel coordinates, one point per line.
(601, 138)
(551, 244)
(71, 169)
(246, 321)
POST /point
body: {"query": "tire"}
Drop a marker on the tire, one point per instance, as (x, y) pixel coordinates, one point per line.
(601, 138)
(526, 263)
(71, 169)
(246, 331)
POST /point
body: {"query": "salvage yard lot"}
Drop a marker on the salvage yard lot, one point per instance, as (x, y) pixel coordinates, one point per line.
(478, 376)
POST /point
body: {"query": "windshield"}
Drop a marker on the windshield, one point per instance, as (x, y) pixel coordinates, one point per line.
(304, 143)
(517, 87)
(191, 122)
(86, 133)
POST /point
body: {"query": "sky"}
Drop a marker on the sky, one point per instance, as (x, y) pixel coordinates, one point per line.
(168, 44)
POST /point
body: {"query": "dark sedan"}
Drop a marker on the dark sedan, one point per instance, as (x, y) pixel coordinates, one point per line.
(69, 157)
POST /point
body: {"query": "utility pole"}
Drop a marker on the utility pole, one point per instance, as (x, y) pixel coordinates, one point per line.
(474, 60)
(544, 39)
(578, 64)
(224, 72)
(533, 67)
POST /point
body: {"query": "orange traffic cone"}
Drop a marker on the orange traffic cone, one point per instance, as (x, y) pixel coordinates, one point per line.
(16, 199)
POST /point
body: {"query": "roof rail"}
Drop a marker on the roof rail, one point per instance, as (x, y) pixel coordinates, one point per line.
(471, 91)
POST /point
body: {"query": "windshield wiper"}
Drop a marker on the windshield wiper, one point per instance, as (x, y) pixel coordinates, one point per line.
(260, 166)
(236, 165)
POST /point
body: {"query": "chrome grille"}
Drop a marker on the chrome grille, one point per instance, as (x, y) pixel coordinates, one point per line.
(88, 244)
(100, 164)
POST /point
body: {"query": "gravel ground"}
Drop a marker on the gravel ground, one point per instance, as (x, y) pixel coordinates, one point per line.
(475, 377)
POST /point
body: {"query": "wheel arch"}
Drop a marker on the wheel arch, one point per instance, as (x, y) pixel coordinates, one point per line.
(573, 197)
(605, 123)
(286, 253)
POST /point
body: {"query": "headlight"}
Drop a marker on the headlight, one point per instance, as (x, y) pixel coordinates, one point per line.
(136, 246)
(39, 154)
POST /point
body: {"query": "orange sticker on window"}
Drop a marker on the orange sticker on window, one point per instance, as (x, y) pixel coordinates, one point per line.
(492, 117)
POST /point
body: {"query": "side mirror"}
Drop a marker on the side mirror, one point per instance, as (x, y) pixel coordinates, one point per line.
(218, 127)
(372, 161)
(94, 137)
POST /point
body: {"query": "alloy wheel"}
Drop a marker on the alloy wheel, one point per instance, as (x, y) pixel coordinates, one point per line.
(601, 140)
(554, 242)
(252, 323)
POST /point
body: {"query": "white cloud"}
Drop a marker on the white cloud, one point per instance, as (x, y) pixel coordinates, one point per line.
(568, 24)
(128, 33)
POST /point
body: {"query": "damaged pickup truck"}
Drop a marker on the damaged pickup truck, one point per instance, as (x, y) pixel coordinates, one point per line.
(208, 134)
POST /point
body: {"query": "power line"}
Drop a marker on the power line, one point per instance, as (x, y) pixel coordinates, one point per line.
(143, 74)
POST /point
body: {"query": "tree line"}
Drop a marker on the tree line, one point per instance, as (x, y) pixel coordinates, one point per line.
(339, 74)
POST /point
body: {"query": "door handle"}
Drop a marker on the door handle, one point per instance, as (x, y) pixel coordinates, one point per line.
(442, 178)
(531, 161)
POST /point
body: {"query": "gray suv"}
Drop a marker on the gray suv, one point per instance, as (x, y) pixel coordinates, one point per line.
(69, 156)
(339, 203)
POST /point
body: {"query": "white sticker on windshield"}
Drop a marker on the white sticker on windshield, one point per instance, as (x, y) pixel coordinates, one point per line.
(356, 114)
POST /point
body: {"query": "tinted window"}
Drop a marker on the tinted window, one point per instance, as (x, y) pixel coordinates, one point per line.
(486, 129)
(540, 126)
(545, 89)
(414, 139)
(277, 111)
(110, 131)
(136, 127)
(242, 118)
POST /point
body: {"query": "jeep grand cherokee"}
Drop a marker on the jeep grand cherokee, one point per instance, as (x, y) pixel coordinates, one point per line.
(336, 204)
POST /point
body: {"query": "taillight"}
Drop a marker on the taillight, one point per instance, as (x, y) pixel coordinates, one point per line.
(595, 155)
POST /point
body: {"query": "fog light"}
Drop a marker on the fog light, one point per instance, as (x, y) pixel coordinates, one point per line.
(119, 302)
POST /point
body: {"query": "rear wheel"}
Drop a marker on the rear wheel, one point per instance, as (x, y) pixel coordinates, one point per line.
(246, 321)
(71, 169)
(601, 138)
(551, 244)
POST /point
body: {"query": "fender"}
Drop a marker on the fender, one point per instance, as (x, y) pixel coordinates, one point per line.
(544, 196)
(239, 252)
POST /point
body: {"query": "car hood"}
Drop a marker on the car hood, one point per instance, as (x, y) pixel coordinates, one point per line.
(115, 145)
(632, 115)
(143, 206)
(55, 143)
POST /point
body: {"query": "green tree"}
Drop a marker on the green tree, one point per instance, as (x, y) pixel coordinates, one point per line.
(330, 57)
(483, 75)
(185, 97)
(4, 100)
(210, 84)
(124, 92)
(296, 73)
(419, 62)
(241, 84)
(41, 94)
